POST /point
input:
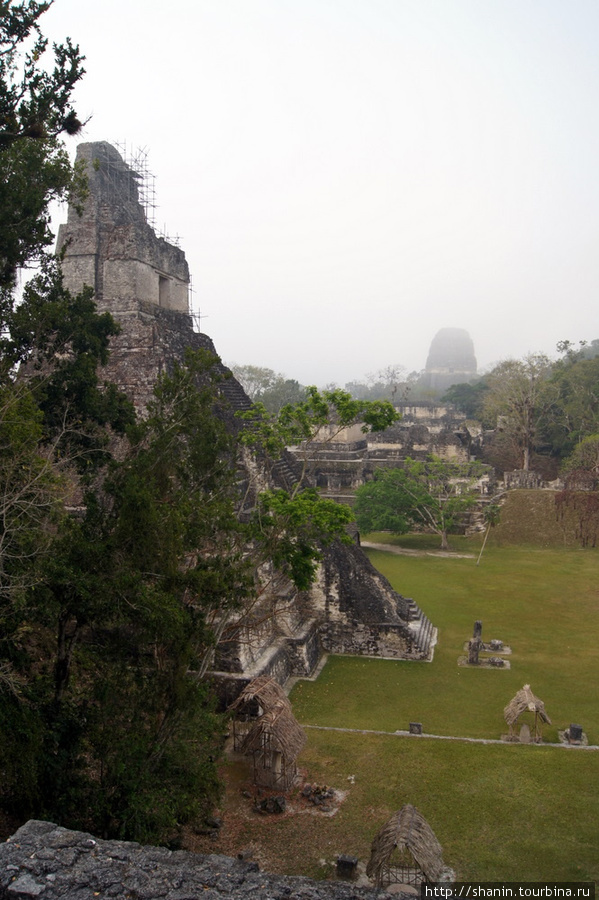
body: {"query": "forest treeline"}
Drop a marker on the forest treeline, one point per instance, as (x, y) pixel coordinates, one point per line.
(536, 410)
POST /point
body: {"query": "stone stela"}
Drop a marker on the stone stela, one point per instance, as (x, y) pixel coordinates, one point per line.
(475, 646)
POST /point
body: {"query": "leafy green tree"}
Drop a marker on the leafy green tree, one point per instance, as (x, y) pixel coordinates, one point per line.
(583, 462)
(268, 387)
(518, 402)
(105, 692)
(283, 392)
(35, 109)
(574, 414)
(431, 495)
(114, 730)
(321, 417)
(468, 398)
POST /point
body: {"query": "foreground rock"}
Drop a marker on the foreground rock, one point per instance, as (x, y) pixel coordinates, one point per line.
(46, 861)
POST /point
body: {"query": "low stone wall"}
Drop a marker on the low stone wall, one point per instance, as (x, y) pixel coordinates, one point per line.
(379, 640)
(519, 479)
(43, 860)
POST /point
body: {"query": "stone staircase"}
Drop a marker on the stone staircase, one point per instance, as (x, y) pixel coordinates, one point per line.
(234, 394)
(425, 633)
(285, 472)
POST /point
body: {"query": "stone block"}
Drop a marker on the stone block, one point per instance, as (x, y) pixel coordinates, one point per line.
(575, 733)
(347, 867)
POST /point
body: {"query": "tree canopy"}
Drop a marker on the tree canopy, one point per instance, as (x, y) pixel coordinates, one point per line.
(272, 389)
(518, 398)
(35, 109)
(427, 495)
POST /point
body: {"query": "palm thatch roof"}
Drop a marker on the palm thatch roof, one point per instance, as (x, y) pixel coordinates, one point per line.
(265, 690)
(524, 701)
(406, 829)
(277, 728)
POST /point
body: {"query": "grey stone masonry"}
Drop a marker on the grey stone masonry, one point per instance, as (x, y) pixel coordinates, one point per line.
(46, 861)
(112, 248)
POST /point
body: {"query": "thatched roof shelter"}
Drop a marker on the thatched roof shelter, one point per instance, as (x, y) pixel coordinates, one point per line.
(525, 701)
(405, 851)
(280, 729)
(264, 691)
(271, 734)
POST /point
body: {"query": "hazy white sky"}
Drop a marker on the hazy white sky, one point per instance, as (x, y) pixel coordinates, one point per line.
(349, 176)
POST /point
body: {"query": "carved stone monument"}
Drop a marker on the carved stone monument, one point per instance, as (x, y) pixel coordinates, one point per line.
(474, 647)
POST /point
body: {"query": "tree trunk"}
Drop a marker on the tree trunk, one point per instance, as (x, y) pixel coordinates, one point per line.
(64, 655)
(444, 541)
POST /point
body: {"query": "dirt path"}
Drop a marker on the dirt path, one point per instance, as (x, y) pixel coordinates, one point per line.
(401, 551)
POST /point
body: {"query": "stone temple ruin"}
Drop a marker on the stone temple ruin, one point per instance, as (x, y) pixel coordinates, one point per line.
(143, 281)
(450, 360)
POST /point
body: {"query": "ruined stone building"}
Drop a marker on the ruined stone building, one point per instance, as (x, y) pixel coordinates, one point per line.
(143, 281)
(341, 465)
(450, 360)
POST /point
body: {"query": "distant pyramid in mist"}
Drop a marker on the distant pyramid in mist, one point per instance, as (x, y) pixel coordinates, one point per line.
(451, 359)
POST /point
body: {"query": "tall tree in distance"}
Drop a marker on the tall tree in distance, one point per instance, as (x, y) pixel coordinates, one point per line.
(518, 400)
(272, 389)
(575, 413)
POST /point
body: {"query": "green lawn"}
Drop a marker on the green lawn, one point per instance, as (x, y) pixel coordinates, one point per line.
(500, 811)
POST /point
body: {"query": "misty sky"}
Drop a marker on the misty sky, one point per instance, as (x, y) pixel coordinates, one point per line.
(349, 176)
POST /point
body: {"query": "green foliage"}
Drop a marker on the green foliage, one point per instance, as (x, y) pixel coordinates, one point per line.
(579, 500)
(575, 414)
(518, 401)
(321, 416)
(59, 340)
(105, 615)
(294, 527)
(431, 495)
(294, 524)
(272, 389)
(31, 492)
(52, 417)
(584, 457)
(540, 409)
(102, 643)
(35, 108)
(468, 398)
(109, 643)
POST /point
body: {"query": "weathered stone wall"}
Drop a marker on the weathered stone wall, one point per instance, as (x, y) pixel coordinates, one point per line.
(111, 246)
(341, 466)
(364, 616)
(46, 861)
